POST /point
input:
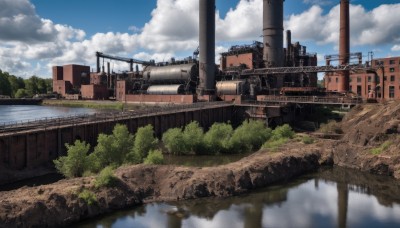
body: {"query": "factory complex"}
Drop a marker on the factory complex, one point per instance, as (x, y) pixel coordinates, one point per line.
(245, 72)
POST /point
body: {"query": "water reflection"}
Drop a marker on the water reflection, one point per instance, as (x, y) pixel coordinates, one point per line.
(330, 198)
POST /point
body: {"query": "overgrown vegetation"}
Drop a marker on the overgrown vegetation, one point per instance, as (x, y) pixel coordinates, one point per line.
(384, 146)
(106, 178)
(112, 150)
(88, 196)
(155, 157)
(307, 139)
(18, 87)
(332, 127)
(280, 136)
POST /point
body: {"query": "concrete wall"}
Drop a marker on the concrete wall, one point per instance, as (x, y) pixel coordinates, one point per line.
(29, 150)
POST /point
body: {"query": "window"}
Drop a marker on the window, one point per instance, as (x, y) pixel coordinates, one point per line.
(358, 79)
(337, 80)
(392, 69)
(369, 78)
(350, 79)
(359, 90)
(369, 89)
(378, 79)
(391, 91)
(385, 78)
(391, 62)
(392, 78)
(351, 88)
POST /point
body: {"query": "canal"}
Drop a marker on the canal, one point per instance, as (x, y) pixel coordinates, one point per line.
(18, 113)
(333, 197)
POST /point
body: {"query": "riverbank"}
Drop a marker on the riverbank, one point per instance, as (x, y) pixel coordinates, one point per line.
(60, 204)
(21, 101)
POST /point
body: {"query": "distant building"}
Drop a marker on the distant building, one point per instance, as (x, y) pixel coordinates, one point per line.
(75, 81)
(382, 85)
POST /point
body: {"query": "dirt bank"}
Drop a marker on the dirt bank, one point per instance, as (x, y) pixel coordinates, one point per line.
(59, 204)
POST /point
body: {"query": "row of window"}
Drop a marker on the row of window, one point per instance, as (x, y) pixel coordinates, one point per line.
(391, 62)
(359, 90)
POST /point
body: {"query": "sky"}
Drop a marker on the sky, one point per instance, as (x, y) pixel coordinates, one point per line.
(38, 34)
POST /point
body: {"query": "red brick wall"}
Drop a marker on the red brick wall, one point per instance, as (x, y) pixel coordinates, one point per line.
(94, 92)
(57, 73)
(237, 60)
(73, 74)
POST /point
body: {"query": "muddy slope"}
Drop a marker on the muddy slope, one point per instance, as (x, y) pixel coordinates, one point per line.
(59, 204)
(367, 127)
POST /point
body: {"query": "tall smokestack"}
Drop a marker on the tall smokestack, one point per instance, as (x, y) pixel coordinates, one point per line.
(207, 47)
(344, 44)
(273, 32)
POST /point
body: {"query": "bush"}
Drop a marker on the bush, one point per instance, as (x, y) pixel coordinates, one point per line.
(249, 136)
(143, 143)
(307, 140)
(112, 149)
(155, 157)
(88, 196)
(217, 139)
(193, 136)
(174, 141)
(275, 144)
(105, 178)
(284, 131)
(76, 161)
(332, 127)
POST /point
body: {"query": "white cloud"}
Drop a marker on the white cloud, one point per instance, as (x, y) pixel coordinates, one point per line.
(396, 47)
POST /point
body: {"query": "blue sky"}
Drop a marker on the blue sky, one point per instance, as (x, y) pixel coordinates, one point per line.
(37, 34)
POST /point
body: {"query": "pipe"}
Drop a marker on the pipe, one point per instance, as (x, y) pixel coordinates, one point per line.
(207, 47)
(273, 33)
(344, 44)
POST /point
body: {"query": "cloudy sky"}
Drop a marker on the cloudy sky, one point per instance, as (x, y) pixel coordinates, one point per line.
(37, 34)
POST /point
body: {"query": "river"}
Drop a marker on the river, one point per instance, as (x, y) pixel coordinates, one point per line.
(18, 113)
(330, 198)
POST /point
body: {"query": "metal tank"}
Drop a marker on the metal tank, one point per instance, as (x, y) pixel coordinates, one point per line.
(166, 89)
(172, 74)
(237, 87)
(207, 47)
(273, 32)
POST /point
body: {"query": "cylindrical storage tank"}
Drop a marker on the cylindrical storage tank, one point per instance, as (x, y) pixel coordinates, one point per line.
(238, 87)
(166, 89)
(273, 32)
(172, 74)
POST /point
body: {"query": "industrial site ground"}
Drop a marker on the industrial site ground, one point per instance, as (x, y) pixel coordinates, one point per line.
(370, 143)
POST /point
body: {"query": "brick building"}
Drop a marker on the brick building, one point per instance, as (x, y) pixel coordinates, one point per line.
(382, 85)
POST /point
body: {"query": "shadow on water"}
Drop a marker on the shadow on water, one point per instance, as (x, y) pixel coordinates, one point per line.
(329, 198)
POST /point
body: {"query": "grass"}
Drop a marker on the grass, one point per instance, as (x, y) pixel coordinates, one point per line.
(332, 127)
(381, 148)
(86, 104)
(88, 196)
(307, 139)
(275, 144)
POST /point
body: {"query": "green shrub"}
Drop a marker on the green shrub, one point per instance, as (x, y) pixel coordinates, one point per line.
(249, 136)
(381, 148)
(275, 144)
(105, 178)
(193, 136)
(155, 157)
(76, 162)
(284, 131)
(307, 139)
(88, 196)
(174, 141)
(217, 139)
(143, 143)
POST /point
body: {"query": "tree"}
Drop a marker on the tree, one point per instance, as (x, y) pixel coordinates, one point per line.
(143, 143)
(218, 137)
(284, 131)
(249, 136)
(174, 141)
(16, 83)
(21, 93)
(193, 136)
(5, 87)
(76, 161)
(155, 157)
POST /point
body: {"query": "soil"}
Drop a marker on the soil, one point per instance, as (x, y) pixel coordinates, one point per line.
(366, 127)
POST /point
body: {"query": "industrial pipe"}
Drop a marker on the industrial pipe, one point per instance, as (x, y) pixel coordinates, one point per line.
(344, 44)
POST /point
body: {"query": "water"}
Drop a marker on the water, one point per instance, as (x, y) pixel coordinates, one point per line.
(18, 113)
(330, 198)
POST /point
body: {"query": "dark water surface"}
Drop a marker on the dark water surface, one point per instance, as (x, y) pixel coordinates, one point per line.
(17, 113)
(330, 198)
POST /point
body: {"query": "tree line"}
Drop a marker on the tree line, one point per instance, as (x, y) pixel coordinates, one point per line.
(18, 87)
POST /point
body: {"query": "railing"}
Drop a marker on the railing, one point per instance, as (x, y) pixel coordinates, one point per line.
(8, 127)
(306, 100)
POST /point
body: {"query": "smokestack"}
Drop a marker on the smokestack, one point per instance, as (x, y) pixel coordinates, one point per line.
(207, 47)
(344, 44)
(273, 32)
